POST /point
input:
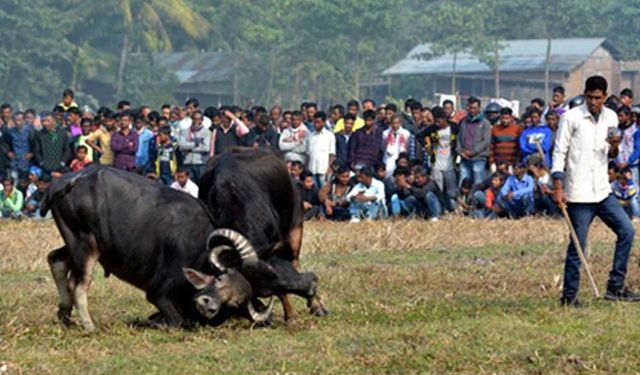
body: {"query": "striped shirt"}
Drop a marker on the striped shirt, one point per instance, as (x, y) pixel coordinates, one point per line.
(504, 143)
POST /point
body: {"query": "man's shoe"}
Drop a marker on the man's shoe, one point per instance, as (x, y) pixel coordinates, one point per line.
(622, 295)
(570, 302)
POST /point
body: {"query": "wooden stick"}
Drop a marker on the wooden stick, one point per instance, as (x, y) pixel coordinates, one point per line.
(576, 243)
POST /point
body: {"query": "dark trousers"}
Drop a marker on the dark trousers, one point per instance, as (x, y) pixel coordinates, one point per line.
(195, 172)
(613, 215)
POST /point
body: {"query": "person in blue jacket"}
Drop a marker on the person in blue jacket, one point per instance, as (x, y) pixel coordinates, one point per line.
(536, 133)
(516, 195)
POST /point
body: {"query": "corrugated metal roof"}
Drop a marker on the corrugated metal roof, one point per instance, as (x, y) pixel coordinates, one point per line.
(194, 67)
(516, 56)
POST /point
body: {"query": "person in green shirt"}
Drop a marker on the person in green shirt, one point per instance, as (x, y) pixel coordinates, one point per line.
(11, 200)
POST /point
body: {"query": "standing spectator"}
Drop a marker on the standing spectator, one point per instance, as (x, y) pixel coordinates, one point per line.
(353, 108)
(230, 134)
(192, 106)
(183, 183)
(124, 144)
(100, 140)
(11, 200)
(51, 146)
(558, 104)
(334, 196)
(194, 142)
(74, 117)
(86, 125)
(309, 193)
(163, 155)
(6, 116)
(629, 149)
(367, 198)
(536, 138)
(505, 139)
(21, 144)
(310, 111)
(516, 196)
(626, 97)
(81, 160)
(626, 191)
(68, 100)
(442, 151)
(5, 149)
(474, 140)
(336, 115)
(145, 137)
(293, 139)
(320, 150)
(366, 144)
(263, 135)
(396, 140)
(342, 139)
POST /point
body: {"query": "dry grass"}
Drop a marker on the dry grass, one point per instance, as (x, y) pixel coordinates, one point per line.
(406, 297)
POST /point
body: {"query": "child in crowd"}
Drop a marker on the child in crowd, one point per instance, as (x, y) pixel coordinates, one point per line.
(81, 160)
(34, 175)
(626, 191)
(183, 183)
(487, 200)
(86, 127)
(295, 169)
(544, 189)
(310, 198)
(34, 201)
(11, 200)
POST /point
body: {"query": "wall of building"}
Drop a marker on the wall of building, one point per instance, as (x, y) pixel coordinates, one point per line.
(601, 62)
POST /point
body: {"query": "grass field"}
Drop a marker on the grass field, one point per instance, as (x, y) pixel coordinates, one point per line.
(406, 297)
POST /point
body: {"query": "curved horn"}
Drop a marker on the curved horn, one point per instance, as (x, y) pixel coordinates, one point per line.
(262, 316)
(241, 244)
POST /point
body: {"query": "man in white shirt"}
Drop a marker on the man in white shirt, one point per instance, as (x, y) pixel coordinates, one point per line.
(587, 138)
(320, 150)
(367, 197)
(183, 183)
(191, 106)
(293, 139)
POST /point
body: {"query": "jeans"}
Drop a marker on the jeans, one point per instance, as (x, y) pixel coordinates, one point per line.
(195, 172)
(517, 208)
(319, 179)
(447, 182)
(613, 215)
(633, 208)
(413, 206)
(544, 204)
(370, 210)
(474, 169)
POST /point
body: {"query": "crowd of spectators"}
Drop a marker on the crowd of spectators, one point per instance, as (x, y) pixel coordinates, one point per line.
(353, 162)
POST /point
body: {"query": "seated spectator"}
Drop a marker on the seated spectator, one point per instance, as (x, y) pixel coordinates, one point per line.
(381, 174)
(516, 196)
(295, 169)
(544, 203)
(183, 183)
(626, 192)
(424, 200)
(367, 197)
(400, 192)
(486, 202)
(334, 195)
(11, 200)
(34, 201)
(34, 176)
(163, 154)
(310, 198)
(81, 160)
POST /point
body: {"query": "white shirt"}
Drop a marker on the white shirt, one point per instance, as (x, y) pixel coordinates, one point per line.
(319, 145)
(581, 152)
(190, 188)
(375, 190)
(293, 142)
(186, 122)
(444, 161)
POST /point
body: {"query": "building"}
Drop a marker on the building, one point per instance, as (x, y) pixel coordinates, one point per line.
(521, 70)
(207, 76)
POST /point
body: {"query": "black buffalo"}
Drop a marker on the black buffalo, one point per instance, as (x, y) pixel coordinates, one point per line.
(250, 191)
(161, 241)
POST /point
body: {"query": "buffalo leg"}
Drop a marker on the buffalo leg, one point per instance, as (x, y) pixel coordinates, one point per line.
(158, 296)
(83, 283)
(59, 262)
(289, 311)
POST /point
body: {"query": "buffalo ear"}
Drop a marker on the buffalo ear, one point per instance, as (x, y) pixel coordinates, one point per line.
(199, 280)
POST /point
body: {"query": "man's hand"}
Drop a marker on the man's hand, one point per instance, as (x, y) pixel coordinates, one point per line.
(510, 196)
(11, 155)
(559, 197)
(307, 205)
(28, 156)
(466, 154)
(230, 115)
(623, 165)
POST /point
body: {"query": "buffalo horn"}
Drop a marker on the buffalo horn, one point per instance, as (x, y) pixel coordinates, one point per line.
(260, 317)
(241, 244)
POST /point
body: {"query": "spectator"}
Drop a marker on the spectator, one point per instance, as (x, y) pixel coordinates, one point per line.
(396, 140)
(163, 154)
(67, 100)
(424, 200)
(51, 147)
(295, 170)
(293, 139)
(516, 196)
(34, 201)
(626, 97)
(441, 148)
(342, 139)
(558, 104)
(336, 114)
(21, 145)
(81, 160)
(380, 173)
(505, 139)
(145, 137)
(35, 173)
(310, 197)
(86, 126)
(487, 202)
(352, 109)
(73, 122)
(629, 148)
(194, 142)
(367, 197)
(100, 140)
(124, 144)
(263, 135)
(544, 203)
(536, 140)
(366, 144)
(626, 191)
(320, 150)
(466, 200)
(11, 200)
(474, 140)
(231, 133)
(400, 192)
(184, 183)
(334, 195)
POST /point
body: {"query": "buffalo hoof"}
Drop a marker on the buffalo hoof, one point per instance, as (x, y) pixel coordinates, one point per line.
(319, 311)
(64, 315)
